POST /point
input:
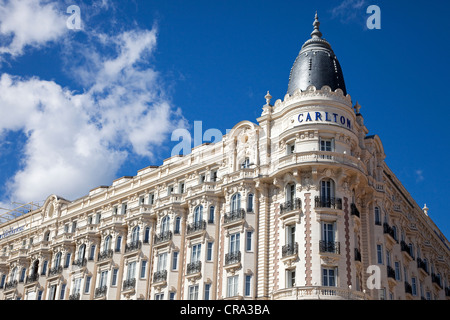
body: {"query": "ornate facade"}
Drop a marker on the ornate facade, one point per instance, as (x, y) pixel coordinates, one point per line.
(300, 205)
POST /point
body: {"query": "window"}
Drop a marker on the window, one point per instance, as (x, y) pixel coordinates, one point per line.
(92, 253)
(290, 278)
(22, 275)
(147, 235)
(52, 293)
(76, 286)
(232, 288)
(397, 271)
(248, 282)
(143, 268)
(175, 260)
(151, 198)
(245, 164)
(169, 190)
(326, 145)
(57, 260)
(47, 236)
(234, 242)
(380, 254)
(131, 271)
(250, 202)
(40, 292)
(135, 234)
(382, 294)
(74, 226)
(377, 216)
(115, 210)
(118, 243)
(66, 228)
(388, 258)
(329, 277)
(211, 214)
(181, 187)
(202, 178)
(87, 284)
(172, 295)
(141, 200)
(214, 175)
(326, 192)
(103, 278)
(414, 286)
(328, 232)
(159, 296)
(198, 214)
(44, 268)
(67, 261)
(193, 292)
(207, 291)
(177, 225)
(2, 282)
(98, 216)
(162, 262)
(209, 251)
(236, 202)
(114, 276)
(107, 244)
(248, 245)
(290, 148)
(290, 234)
(195, 253)
(165, 224)
(124, 208)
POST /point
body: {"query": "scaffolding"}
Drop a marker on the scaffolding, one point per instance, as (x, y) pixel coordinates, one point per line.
(19, 210)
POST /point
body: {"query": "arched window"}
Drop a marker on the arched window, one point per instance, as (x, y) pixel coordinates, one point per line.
(147, 235)
(81, 252)
(211, 214)
(107, 243)
(92, 252)
(165, 224)
(250, 202)
(135, 234)
(198, 214)
(118, 243)
(177, 225)
(58, 260)
(377, 216)
(236, 202)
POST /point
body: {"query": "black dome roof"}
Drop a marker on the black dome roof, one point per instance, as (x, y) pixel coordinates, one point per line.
(316, 65)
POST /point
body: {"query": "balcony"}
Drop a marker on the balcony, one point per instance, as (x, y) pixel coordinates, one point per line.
(423, 267)
(100, 292)
(11, 285)
(319, 293)
(354, 210)
(406, 250)
(133, 246)
(408, 288)
(234, 217)
(436, 279)
(232, 258)
(79, 263)
(163, 237)
(55, 271)
(390, 272)
(32, 278)
(129, 284)
(289, 206)
(105, 255)
(194, 267)
(195, 227)
(388, 230)
(160, 276)
(329, 247)
(74, 296)
(289, 249)
(328, 202)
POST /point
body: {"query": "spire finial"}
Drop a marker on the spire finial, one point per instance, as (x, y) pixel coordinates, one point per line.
(316, 33)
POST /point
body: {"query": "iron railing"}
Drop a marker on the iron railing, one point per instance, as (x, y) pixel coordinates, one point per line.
(232, 257)
(194, 267)
(133, 246)
(234, 216)
(196, 226)
(160, 276)
(106, 254)
(163, 237)
(329, 246)
(289, 249)
(328, 202)
(291, 205)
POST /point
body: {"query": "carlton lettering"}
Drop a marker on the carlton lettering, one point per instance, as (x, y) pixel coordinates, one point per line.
(324, 117)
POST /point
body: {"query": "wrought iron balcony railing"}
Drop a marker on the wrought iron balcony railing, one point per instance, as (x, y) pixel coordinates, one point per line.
(329, 246)
(328, 202)
(234, 216)
(80, 262)
(291, 205)
(163, 237)
(408, 288)
(289, 249)
(404, 247)
(387, 229)
(133, 246)
(232, 257)
(196, 226)
(194, 267)
(101, 291)
(55, 270)
(129, 284)
(436, 279)
(390, 272)
(422, 265)
(74, 296)
(11, 284)
(32, 278)
(106, 254)
(160, 276)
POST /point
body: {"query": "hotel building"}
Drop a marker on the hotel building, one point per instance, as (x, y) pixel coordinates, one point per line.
(299, 205)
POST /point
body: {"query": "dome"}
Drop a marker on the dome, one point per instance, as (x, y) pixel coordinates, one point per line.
(316, 65)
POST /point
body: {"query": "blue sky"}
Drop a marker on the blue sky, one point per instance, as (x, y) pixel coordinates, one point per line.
(79, 108)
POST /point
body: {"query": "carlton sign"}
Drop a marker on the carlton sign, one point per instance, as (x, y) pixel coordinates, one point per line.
(324, 116)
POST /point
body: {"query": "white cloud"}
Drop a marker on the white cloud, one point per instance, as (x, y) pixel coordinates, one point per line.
(79, 141)
(349, 10)
(29, 23)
